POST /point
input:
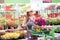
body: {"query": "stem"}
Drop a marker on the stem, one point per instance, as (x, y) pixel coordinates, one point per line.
(45, 37)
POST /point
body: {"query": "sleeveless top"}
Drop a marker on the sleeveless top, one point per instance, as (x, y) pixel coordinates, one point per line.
(31, 21)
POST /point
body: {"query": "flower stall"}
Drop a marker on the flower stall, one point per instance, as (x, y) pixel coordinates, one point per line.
(12, 27)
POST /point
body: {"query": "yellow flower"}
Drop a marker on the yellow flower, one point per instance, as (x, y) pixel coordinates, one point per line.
(38, 29)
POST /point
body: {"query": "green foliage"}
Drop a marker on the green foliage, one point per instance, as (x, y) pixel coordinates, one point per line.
(20, 21)
(53, 22)
(57, 30)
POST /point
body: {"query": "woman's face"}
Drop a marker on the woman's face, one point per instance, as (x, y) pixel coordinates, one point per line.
(30, 13)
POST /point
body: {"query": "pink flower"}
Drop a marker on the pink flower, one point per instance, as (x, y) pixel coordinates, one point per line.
(48, 0)
(43, 27)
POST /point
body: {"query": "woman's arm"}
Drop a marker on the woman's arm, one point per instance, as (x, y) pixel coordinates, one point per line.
(24, 21)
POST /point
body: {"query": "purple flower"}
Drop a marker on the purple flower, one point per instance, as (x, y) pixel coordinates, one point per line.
(40, 22)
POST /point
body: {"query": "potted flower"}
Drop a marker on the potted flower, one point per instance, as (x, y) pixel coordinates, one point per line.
(46, 30)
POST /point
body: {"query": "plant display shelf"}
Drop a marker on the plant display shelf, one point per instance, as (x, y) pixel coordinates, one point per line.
(34, 33)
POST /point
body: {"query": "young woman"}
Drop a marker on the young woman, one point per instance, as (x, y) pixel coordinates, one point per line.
(38, 20)
(37, 15)
(29, 20)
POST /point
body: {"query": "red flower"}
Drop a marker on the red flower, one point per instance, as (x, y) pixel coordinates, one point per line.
(11, 23)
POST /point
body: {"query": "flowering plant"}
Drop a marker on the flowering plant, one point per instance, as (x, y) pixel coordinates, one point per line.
(44, 29)
(47, 29)
(40, 21)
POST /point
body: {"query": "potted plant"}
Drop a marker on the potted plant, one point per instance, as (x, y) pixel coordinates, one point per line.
(57, 30)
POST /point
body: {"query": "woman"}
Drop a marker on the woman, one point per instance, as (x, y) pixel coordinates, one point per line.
(38, 20)
(37, 15)
(29, 20)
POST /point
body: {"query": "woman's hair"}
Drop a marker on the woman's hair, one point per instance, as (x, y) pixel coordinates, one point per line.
(27, 17)
(28, 14)
(36, 12)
